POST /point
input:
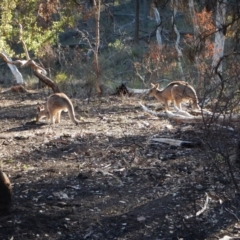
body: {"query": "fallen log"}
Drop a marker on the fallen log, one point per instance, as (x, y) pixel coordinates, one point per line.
(137, 91)
(177, 143)
(205, 116)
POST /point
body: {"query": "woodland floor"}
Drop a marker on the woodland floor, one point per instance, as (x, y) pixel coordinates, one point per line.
(106, 179)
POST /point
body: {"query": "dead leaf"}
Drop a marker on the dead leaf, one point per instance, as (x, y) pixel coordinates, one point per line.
(141, 219)
(60, 195)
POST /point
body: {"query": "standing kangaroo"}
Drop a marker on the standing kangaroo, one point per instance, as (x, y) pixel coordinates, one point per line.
(5, 192)
(175, 91)
(56, 103)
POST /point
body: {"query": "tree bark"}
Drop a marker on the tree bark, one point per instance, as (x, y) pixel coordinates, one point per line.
(97, 6)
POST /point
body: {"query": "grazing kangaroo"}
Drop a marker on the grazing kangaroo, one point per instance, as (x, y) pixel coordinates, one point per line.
(56, 103)
(175, 91)
(5, 192)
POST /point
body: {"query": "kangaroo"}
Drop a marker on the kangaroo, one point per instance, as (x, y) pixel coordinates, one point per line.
(56, 103)
(175, 91)
(5, 192)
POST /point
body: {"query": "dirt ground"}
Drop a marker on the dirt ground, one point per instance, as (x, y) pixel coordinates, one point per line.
(106, 179)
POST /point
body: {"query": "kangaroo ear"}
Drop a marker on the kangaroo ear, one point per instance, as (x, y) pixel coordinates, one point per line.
(40, 107)
(153, 85)
(156, 85)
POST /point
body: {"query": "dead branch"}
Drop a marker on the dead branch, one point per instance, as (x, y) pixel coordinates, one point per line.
(232, 214)
(39, 72)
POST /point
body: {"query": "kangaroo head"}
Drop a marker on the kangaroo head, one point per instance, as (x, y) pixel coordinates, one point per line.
(153, 90)
(41, 112)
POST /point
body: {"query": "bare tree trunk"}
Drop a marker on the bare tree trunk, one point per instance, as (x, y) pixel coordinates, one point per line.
(14, 70)
(97, 5)
(179, 51)
(159, 27)
(145, 13)
(136, 34)
(219, 39)
(195, 38)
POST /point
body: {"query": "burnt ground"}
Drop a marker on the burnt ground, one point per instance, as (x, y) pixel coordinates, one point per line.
(106, 179)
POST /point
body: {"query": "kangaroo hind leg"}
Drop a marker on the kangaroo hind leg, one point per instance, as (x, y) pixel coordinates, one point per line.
(58, 116)
(177, 103)
(53, 116)
(176, 96)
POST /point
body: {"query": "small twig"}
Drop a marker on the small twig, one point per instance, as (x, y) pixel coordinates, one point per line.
(204, 207)
(232, 214)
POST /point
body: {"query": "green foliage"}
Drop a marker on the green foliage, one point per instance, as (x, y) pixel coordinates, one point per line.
(66, 82)
(117, 45)
(6, 26)
(9, 160)
(60, 78)
(41, 22)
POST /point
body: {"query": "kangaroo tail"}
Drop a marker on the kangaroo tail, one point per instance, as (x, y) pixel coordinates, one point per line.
(72, 114)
